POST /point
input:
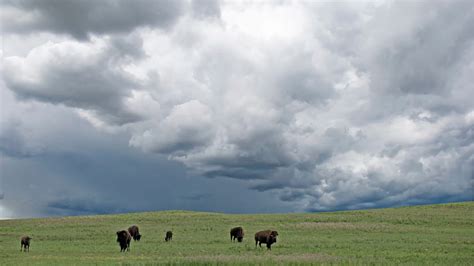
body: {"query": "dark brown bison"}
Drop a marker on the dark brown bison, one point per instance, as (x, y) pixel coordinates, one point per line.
(169, 236)
(25, 243)
(236, 233)
(124, 238)
(267, 237)
(133, 230)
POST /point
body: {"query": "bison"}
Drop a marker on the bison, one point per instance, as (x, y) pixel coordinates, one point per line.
(124, 238)
(267, 237)
(133, 230)
(25, 243)
(169, 236)
(237, 233)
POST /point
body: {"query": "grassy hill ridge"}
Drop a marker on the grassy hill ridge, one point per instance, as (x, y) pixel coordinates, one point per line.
(429, 234)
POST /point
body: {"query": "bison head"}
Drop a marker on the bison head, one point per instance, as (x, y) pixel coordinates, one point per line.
(138, 237)
(274, 233)
(240, 238)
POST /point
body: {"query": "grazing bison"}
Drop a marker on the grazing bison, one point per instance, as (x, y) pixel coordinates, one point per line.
(267, 237)
(124, 238)
(25, 243)
(133, 230)
(236, 233)
(169, 236)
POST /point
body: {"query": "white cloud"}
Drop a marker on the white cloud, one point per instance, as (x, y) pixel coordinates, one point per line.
(81, 75)
(187, 127)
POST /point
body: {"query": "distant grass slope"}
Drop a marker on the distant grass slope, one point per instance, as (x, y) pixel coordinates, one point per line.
(434, 234)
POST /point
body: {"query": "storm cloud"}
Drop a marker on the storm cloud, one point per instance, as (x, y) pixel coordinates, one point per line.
(306, 106)
(82, 18)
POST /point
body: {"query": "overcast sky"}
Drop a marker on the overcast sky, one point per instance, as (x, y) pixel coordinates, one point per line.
(272, 106)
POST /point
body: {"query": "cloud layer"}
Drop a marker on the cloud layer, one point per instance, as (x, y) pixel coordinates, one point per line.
(323, 106)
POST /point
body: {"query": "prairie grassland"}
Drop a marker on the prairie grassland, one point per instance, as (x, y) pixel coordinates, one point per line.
(432, 234)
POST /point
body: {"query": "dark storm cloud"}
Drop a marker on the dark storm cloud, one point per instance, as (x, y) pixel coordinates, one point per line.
(83, 171)
(68, 206)
(84, 17)
(14, 143)
(196, 197)
(313, 106)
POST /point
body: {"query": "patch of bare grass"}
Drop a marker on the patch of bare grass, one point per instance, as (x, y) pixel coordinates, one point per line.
(268, 257)
(345, 226)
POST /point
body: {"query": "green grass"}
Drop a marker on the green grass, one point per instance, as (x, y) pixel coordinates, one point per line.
(434, 234)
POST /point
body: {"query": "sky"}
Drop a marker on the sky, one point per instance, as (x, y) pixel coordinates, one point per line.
(234, 106)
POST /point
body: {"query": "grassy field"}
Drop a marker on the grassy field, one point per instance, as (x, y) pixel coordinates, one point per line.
(435, 234)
